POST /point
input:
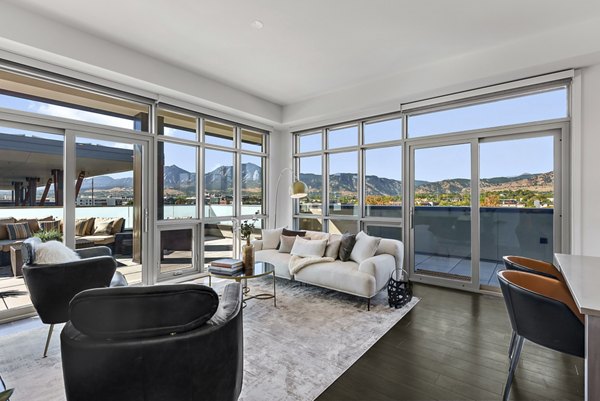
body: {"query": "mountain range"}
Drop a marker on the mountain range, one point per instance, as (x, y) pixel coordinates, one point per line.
(221, 178)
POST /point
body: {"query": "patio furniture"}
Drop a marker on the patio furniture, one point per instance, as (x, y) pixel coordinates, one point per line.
(16, 260)
(51, 287)
(543, 311)
(154, 343)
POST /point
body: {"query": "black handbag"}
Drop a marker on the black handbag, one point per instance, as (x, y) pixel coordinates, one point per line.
(399, 290)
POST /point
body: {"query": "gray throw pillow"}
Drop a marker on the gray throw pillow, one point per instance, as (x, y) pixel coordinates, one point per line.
(286, 243)
(346, 245)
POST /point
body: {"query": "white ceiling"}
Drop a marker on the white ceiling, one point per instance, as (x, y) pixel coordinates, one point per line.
(309, 48)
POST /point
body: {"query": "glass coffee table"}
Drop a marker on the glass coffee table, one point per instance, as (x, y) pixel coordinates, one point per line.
(260, 269)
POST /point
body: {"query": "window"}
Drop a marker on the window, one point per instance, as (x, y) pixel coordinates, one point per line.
(218, 134)
(343, 183)
(176, 176)
(311, 173)
(176, 125)
(310, 142)
(342, 137)
(538, 106)
(383, 182)
(33, 95)
(254, 141)
(218, 183)
(382, 131)
(252, 185)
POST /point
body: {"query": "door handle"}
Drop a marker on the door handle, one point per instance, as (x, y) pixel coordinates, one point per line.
(146, 220)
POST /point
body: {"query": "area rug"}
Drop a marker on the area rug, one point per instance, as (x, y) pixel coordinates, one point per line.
(292, 352)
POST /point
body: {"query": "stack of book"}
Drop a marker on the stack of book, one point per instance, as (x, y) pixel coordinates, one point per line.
(226, 266)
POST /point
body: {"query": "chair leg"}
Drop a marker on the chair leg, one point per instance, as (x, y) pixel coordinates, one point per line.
(511, 347)
(513, 366)
(48, 340)
(368, 304)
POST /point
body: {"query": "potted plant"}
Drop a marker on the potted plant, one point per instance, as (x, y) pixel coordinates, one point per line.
(50, 235)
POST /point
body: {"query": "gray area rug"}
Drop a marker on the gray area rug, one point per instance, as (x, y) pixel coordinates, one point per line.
(292, 352)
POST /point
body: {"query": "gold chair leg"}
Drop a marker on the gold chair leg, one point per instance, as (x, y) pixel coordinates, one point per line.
(48, 340)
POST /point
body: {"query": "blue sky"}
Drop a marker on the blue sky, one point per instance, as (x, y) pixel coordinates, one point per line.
(508, 158)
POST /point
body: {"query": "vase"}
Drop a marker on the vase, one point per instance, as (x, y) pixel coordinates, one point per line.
(248, 255)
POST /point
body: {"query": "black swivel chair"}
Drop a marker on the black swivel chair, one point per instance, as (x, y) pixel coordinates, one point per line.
(51, 287)
(156, 343)
(534, 266)
(541, 310)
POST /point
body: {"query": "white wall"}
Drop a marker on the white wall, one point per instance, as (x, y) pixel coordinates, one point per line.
(281, 157)
(588, 208)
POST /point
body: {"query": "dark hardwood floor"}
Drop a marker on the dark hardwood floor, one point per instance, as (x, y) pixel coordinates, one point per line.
(453, 346)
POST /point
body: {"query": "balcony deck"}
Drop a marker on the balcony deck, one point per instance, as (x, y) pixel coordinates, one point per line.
(456, 266)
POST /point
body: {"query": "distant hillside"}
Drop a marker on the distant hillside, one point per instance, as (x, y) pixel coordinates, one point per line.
(221, 179)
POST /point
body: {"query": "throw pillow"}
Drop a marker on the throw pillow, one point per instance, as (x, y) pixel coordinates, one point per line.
(54, 252)
(49, 225)
(34, 227)
(3, 230)
(333, 246)
(104, 228)
(18, 231)
(317, 235)
(365, 247)
(270, 238)
(286, 243)
(308, 248)
(81, 227)
(292, 233)
(346, 245)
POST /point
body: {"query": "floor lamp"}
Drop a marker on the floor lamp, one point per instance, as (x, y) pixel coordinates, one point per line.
(298, 190)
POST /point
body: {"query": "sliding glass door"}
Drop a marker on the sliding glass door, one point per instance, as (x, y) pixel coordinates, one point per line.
(474, 202)
(441, 213)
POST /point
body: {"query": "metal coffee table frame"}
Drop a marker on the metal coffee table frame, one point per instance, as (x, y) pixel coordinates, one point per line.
(243, 277)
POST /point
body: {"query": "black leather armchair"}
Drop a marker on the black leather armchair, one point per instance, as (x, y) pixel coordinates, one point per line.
(543, 311)
(51, 287)
(155, 343)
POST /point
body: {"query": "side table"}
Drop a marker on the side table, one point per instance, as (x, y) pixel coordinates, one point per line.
(16, 260)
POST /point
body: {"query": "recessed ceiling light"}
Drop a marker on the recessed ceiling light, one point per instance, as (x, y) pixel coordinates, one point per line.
(257, 24)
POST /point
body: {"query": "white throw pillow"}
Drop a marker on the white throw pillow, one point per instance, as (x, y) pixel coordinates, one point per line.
(333, 246)
(364, 248)
(309, 248)
(270, 238)
(316, 235)
(54, 252)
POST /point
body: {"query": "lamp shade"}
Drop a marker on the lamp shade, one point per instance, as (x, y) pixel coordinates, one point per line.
(298, 190)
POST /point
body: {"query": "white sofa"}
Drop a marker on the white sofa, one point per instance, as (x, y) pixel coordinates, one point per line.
(364, 280)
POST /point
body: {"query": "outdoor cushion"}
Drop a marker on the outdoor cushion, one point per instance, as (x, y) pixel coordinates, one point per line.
(103, 228)
(3, 223)
(18, 231)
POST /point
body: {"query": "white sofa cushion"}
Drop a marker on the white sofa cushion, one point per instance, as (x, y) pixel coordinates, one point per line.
(365, 247)
(270, 238)
(340, 276)
(281, 261)
(309, 248)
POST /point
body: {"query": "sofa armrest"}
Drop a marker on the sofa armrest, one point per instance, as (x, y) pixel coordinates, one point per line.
(394, 248)
(258, 244)
(94, 251)
(380, 267)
